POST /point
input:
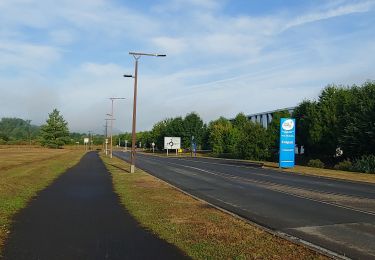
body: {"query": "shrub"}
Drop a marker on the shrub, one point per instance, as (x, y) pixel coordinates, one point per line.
(344, 166)
(315, 163)
(365, 164)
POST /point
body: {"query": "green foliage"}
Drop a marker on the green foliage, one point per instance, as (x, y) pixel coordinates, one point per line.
(191, 125)
(365, 164)
(241, 139)
(55, 133)
(240, 121)
(13, 130)
(253, 142)
(345, 165)
(343, 117)
(222, 136)
(316, 163)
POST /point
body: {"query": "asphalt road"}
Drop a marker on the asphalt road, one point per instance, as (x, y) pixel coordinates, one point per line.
(336, 215)
(80, 217)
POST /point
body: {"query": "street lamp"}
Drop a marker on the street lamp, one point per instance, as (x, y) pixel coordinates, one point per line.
(111, 119)
(137, 56)
(106, 134)
(111, 115)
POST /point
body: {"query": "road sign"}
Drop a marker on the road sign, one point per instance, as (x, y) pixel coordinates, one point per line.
(86, 140)
(172, 143)
(287, 142)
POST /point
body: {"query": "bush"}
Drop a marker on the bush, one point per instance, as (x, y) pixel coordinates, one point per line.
(365, 164)
(344, 166)
(316, 163)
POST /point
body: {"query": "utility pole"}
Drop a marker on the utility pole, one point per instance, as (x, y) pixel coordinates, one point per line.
(89, 140)
(106, 136)
(112, 99)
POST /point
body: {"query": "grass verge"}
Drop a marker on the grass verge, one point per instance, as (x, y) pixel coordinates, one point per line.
(195, 227)
(23, 174)
(336, 174)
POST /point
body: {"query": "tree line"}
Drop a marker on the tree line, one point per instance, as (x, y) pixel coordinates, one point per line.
(54, 133)
(338, 126)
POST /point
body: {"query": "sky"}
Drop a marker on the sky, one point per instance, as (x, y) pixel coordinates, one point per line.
(223, 57)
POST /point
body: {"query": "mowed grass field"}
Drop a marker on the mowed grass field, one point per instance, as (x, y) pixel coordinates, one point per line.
(23, 172)
(195, 227)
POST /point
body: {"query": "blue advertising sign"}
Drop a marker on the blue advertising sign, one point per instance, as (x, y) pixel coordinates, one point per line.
(287, 142)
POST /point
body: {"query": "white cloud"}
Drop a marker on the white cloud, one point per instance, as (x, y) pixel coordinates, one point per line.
(170, 45)
(62, 37)
(188, 5)
(26, 55)
(341, 10)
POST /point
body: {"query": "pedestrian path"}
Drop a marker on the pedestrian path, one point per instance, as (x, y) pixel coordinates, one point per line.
(79, 217)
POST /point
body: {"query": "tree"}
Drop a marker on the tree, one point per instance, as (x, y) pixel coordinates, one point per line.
(55, 133)
(240, 121)
(193, 126)
(343, 117)
(16, 130)
(358, 135)
(158, 132)
(253, 142)
(222, 137)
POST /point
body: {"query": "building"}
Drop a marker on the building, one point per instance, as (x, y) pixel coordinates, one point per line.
(265, 118)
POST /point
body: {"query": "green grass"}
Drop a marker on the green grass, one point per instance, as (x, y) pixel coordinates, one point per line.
(23, 173)
(195, 227)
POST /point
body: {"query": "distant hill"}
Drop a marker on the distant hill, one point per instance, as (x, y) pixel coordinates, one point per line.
(20, 131)
(17, 129)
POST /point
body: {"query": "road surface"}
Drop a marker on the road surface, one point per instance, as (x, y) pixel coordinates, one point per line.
(336, 215)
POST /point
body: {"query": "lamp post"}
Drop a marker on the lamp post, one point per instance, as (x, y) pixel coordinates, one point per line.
(90, 140)
(137, 56)
(106, 135)
(110, 146)
(111, 115)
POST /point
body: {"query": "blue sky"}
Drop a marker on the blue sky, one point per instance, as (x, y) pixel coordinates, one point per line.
(223, 57)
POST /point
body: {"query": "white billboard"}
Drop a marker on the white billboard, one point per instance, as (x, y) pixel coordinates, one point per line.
(172, 143)
(86, 140)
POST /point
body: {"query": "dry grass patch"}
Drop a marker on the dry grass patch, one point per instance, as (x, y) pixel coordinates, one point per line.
(336, 174)
(198, 229)
(13, 157)
(24, 173)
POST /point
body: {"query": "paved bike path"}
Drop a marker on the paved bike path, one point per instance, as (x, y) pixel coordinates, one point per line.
(80, 217)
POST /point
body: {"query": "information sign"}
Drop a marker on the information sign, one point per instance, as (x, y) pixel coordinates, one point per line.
(172, 143)
(287, 142)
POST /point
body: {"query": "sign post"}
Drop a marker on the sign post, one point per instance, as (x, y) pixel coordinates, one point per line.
(106, 146)
(153, 147)
(86, 142)
(287, 142)
(172, 143)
